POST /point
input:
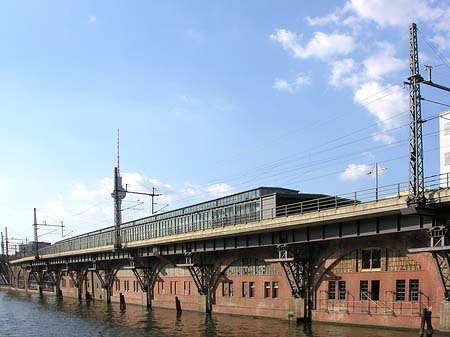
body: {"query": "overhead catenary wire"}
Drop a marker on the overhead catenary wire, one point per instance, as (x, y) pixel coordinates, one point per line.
(441, 56)
(302, 180)
(329, 149)
(272, 167)
(341, 137)
(435, 102)
(380, 147)
(363, 102)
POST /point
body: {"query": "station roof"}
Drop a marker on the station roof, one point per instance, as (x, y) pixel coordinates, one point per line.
(228, 200)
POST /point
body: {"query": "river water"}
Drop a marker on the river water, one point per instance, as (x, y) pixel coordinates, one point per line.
(28, 315)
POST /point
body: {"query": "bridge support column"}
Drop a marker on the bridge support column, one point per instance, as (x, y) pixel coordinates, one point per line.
(56, 280)
(298, 274)
(146, 277)
(78, 281)
(444, 324)
(39, 277)
(107, 279)
(202, 274)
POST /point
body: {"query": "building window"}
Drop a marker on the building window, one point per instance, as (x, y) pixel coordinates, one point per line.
(252, 289)
(187, 287)
(266, 289)
(117, 285)
(224, 288)
(227, 288)
(173, 287)
(244, 289)
(331, 290)
(400, 290)
(161, 287)
(414, 290)
(363, 290)
(275, 289)
(342, 290)
(447, 129)
(447, 158)
(371, 259)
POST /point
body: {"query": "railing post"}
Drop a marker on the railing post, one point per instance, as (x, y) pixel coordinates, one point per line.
(285, 211)
(335, 202)
(301, 208)
(398, 190)
(355, 199)
(318, 204)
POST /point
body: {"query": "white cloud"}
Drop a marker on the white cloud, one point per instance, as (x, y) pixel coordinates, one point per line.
(300, 81)
(386, 103)
(442, 40)
(322, 45)
(394, 13)
(208, 191)
(383, 62)
(383, 138)
(91, 207)
(219, 190)
(355, 171)
(349, 72)
(398, 13)
(323, 20)
(281, 85)
(303, 79)
(344, 72)
(102, 189)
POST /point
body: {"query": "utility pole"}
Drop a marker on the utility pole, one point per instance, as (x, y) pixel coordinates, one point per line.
(36, 244)
(118, 194)
(416, 169)
(377, 170)
(3, 246)
(416, 174)
(153, 195)
(6, 243)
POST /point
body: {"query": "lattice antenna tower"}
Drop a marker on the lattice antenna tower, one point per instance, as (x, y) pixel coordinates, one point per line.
(118, 151)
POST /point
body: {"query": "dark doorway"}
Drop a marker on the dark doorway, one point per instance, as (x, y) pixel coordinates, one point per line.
(375, 288)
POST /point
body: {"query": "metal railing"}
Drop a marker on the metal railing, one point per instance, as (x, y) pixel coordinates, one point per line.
(106, 237)
(370, 306)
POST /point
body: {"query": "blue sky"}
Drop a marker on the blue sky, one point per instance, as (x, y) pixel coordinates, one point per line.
(211, 97)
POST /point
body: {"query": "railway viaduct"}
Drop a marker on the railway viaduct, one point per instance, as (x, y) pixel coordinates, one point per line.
(302, 242)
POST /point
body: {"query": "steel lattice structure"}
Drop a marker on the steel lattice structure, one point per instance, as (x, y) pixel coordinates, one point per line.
(416, 174)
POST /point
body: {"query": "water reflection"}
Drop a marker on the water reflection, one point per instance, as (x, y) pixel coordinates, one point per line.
(22, 314)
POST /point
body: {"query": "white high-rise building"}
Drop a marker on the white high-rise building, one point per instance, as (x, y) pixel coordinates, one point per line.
(444, 145)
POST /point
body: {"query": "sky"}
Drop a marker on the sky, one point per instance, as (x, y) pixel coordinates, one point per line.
(211, 98)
